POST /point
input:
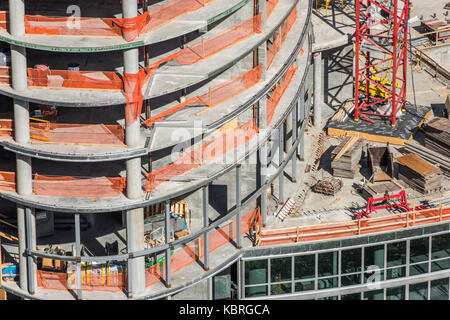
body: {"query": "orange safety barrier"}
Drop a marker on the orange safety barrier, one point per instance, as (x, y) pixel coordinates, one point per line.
(194, 250)
(7, 181)
(354, 227)
(62, 133)
(207, 152)
(271, 4)
(209, 46)
(92, 279)
(281, 37)
(278, 92)
(78, 187)
(216, 95)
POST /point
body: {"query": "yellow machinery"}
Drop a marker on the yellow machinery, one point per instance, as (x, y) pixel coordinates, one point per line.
(326, 3)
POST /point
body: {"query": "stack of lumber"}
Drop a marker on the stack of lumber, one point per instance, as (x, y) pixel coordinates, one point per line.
(346, 157)
(329, 186)
(431, 156)
(419, 174)
(437, 135)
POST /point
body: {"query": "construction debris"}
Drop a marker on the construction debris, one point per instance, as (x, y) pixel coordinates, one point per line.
(381, 163)
(419, 174)
(329, 186)
(382, 189)
(346, 157)
(343, 111)
(437, 135)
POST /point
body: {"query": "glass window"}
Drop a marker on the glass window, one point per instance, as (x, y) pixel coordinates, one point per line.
(374, 256)
(304, 285)
(440, 265)
(328, 298)
(328, 264)
(396, 254)
(395, 293)
(256, 291)
(439, 289)
(440, 246)
(327, 283)
(255, 271)
(304, 267)
(281, 269)
(394, 273)
(418, 291)
(351, 260)
(349, 280)
(281, 288)
(418, 269)
(374, 295)
(353, 296)
(419, 250)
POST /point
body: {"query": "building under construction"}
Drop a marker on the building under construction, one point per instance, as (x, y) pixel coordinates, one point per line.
(222, 149)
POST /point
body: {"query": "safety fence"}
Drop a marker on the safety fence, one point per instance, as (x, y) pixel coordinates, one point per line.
(278, 92)
(215, 95)
(67, 186)
(352, 228)
(206, 153)
(129, 28)
(113, 277)
(42, 131)
(270, 6)
(282, 33)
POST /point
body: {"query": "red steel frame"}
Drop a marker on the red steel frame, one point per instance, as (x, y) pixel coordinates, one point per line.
(372, 207)
(397, 60)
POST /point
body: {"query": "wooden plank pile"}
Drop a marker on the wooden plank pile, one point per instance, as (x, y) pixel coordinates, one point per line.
(346, 157)
(380, 189)
(329, 186)
(419, 174)
(437, 135)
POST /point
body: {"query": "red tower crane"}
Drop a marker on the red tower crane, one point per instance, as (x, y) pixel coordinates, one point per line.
(380, 58)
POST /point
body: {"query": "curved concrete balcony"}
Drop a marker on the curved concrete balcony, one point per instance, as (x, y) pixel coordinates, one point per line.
(182, 184)
(172, 76)
(174, 28)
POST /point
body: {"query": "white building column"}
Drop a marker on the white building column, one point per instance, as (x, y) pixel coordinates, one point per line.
(134, 217)
(318, 94)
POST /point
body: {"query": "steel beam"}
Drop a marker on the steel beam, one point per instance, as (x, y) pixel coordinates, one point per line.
(31, 244)
(280, 160)
(238, 207)
(78, 254)
(168, 229)
(206, 224)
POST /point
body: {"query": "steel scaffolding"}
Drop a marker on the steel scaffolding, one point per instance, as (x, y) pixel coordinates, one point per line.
(381, 50)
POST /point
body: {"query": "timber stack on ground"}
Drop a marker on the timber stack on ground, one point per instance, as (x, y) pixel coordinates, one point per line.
(346, 157)
(419, 174)
(437, 135)
(329, 186)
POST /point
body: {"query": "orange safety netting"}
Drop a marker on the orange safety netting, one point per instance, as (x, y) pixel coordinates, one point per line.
(205, 153)
(6, 128)
(129, 28)
(101, 278)
(214, 44)
(195, 250)
(60, 133)
(7, 181)
(216, 95)
(78, 187)
(281, 37)
(278, 92)
(271, 4)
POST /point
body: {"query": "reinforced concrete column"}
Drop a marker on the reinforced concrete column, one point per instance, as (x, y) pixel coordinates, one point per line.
(262, 7)
(135, 217)
(78, 255)
(135, 242)
(280, 161)
(30, 227)
(301, 145)
(238, 206)
(168, 229)
(205, 225)
(23, 279)
(262, 59)
(262, 158)
(318, 95)
(293, 140)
